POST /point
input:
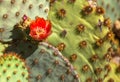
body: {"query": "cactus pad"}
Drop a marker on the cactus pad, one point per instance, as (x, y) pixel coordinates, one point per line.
(48, 65)
(83, 35)
(13, 69)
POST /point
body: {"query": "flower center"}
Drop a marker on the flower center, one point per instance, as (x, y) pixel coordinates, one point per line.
(40, 31)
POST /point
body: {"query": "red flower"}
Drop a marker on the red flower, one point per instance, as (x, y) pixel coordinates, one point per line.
(40, 29)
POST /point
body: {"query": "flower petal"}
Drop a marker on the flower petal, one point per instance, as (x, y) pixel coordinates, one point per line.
(48, 26)
(41, 22)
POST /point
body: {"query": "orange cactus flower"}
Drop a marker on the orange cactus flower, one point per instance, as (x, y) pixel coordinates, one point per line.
(40, 29)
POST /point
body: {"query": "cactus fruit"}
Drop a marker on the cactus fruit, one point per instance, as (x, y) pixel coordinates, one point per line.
(83, 35)
(13, 68)
(111, 8)
(11, 12)
(48, 65)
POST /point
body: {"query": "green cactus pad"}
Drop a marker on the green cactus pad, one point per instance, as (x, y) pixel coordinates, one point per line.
(11, 12)
(80, 32)
(13, 69)
(48, 65)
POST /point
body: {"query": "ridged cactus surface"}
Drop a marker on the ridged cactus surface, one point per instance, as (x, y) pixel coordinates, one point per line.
(48, 65)
(11, 12)
(83, 35)
(13, 69)
(114, 75)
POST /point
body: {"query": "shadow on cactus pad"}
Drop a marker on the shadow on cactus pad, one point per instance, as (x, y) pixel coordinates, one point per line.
(17, 33)
(24, 48)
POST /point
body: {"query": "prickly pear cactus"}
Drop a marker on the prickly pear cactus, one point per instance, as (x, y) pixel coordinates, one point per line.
(111, 8)
(13, 69)
(83, 35)
(79, 31)
(11, 12)
(48, 65)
